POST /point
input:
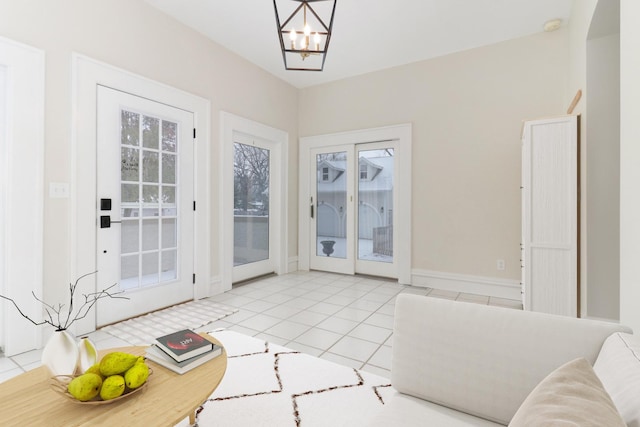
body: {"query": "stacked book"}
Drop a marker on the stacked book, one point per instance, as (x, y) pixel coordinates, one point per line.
(182, 351)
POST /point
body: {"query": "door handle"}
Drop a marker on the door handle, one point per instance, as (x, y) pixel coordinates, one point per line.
(105, 221)
(311, 211)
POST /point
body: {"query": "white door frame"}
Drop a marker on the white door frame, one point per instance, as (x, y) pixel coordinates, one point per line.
(400, 133)
(21, 193)
(230, 123)
(87, 75)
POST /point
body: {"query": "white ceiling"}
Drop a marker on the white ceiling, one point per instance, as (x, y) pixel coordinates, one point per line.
(368, 35)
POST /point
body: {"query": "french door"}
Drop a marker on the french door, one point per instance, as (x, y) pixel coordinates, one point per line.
(351, 208)
(145, 204)
(253, 229)
(331, 209)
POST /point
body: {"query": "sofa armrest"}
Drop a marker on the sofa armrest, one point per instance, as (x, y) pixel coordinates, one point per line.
(483, 360)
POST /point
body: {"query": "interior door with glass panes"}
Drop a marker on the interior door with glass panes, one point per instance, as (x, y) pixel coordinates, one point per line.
(145, 206)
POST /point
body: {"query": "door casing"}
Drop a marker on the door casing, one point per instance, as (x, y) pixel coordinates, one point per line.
(87, 75)
(22, 193)
(230, 124)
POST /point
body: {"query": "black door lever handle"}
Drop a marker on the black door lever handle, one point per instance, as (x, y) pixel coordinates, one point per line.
(105, 221)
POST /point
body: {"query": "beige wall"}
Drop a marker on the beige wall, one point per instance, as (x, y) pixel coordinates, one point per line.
(466, 110)
(603, 178)
(131, 35)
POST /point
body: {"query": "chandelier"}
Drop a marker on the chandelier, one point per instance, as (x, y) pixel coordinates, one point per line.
(305, 33)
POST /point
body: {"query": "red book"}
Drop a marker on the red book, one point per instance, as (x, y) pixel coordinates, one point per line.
(184, 344)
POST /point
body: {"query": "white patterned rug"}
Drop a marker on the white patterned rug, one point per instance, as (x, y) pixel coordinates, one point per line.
(270, 385)
(144, 329)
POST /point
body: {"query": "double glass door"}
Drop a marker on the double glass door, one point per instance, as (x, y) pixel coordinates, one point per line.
(351, 209)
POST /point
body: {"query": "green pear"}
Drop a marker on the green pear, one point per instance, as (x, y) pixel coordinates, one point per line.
(136, 375)
(112, 387)
(94, 369)
(85, 387)
(116, 363)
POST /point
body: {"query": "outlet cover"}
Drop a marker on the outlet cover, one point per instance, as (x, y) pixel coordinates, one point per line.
(58, 190)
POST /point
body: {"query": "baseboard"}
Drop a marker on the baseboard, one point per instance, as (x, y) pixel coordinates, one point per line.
(602, 319)
(215, 286)
(292, 264)
(480, 285)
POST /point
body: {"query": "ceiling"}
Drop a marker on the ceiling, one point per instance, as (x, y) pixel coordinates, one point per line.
(368, 35)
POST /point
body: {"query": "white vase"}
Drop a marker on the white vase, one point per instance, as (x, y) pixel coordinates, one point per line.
(60, 354)
(87, 354)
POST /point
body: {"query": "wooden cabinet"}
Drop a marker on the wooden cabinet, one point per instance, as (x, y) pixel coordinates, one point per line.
(550, 215)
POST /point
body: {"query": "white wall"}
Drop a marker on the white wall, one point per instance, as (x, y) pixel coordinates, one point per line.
(21, 178)
(3, 162)
(581, 17)
(629, 161)
(580, 20)
(466, 110)
(134, 36)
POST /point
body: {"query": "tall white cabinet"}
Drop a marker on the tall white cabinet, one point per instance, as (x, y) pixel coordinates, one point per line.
(550, 215)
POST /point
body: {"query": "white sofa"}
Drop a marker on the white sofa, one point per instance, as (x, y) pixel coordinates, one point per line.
(464, 364)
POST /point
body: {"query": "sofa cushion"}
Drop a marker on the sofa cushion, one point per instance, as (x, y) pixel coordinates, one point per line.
(483, 360)
(572, 395)
(406, 411)
(618, 367)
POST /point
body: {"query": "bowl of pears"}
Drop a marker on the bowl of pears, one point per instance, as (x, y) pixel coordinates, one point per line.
(116, 376)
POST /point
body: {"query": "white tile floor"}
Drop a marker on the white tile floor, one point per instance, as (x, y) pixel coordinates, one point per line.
(345, 319)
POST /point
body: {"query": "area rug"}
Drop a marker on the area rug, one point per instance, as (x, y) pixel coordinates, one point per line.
(144, 329)
(269, 385)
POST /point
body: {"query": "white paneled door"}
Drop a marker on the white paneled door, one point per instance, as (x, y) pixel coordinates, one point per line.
(145, 189)
(550, 215)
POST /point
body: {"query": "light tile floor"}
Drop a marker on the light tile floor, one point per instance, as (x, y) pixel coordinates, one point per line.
(345, 319)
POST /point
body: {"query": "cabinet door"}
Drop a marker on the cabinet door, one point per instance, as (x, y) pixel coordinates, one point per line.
(550, 215)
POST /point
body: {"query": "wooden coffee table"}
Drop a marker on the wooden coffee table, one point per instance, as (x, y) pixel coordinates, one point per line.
(28, 400)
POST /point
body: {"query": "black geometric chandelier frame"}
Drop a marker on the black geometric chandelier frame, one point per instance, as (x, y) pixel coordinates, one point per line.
(305, 33)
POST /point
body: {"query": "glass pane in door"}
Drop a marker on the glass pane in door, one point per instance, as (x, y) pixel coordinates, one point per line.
(251, 204)
(149, 231)
(331, 206)
(375, 205)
